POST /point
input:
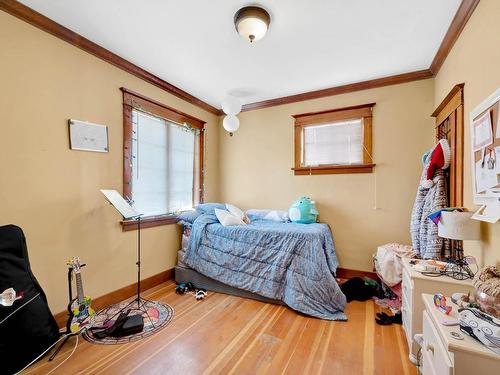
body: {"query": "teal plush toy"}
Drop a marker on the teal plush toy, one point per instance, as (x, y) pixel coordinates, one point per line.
(303, 211)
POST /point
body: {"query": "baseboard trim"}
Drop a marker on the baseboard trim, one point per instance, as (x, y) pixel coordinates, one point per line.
(346, 273)
(120, 294)
(152, 281)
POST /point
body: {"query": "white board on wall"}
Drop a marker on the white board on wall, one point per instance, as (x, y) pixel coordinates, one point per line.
(86, 136)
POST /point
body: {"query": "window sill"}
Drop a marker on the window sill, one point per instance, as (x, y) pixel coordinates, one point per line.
(149, 222)
(334, 169)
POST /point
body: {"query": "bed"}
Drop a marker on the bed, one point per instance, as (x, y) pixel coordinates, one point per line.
(288, 263)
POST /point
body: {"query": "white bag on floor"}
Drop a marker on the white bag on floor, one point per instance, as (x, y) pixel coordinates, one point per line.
(389, 263)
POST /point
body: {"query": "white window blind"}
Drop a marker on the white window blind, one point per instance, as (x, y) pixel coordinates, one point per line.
(162, 165)
(336, 143)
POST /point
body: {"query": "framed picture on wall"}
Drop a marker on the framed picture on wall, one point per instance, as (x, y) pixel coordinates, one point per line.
(86, 136)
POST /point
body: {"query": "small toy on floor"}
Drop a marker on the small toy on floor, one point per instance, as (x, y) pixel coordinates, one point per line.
(189, 288)
(184, 287)
(200, 294)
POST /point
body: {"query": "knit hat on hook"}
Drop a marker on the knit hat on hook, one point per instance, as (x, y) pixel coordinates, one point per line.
(440, 159)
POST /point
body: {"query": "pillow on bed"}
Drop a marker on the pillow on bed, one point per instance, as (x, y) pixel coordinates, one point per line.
(274, 215)
(188, 216)
(208, 208)
(226, 218)
(238, 213)
(281, 216)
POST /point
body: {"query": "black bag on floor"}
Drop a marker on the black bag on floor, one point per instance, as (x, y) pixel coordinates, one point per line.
(132, 325)
(27, 327)
(357, 289)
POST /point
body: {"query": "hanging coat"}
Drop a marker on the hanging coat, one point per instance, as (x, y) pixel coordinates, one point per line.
(424, 233)
(416, 214)
(431, 245)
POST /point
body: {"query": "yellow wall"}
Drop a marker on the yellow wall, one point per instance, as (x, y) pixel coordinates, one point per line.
(475, 60)
(363, 210)
(53, 192)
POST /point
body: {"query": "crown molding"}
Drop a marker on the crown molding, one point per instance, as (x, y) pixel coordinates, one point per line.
(458, 23)
(351, 87)
(464, 12)
(44, 23)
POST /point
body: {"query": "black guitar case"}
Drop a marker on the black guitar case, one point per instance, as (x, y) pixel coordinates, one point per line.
(27, 327)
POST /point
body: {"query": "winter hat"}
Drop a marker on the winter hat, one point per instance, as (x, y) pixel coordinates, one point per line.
(440, 158)
(425, 156)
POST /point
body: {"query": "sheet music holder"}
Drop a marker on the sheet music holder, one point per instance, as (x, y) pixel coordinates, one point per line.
(120, 204)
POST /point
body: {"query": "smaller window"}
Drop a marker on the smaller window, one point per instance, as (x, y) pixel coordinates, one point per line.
(334, 141)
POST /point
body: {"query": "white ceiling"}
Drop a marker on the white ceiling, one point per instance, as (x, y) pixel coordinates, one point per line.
(311, 44)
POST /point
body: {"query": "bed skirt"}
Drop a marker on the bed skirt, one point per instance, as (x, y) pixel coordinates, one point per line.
(185, 274)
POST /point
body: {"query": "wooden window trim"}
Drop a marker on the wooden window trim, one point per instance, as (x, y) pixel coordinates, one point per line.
(149, 222)
(131, 101)
(363, 111)
(145, 104)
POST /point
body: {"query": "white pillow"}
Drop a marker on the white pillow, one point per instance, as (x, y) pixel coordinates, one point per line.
(238, 213)
(226, 218)
(281, 216)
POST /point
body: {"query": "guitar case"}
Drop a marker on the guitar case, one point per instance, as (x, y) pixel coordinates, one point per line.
(27, 328)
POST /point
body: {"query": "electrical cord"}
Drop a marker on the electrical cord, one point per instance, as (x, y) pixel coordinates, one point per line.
(68, 357)
(458, 270)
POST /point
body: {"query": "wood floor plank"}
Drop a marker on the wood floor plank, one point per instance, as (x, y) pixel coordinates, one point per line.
(260, 347)
(231, 335)
(251, 331)
(254, 354)
(304, 355)
(150, 346)
(345, 349)
(368, 344)
(388, 349)
(202, 343)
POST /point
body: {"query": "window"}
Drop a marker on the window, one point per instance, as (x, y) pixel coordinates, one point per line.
(163, 155)
(335, 141)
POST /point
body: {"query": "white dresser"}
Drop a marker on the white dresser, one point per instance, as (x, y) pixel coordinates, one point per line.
(444, 355)
(412, 306)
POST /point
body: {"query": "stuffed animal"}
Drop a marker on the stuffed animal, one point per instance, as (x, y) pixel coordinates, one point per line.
(184, 288)
(303, 211)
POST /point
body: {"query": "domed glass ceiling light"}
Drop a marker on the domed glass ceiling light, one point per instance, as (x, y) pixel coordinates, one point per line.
(252, 23)
(231, 106)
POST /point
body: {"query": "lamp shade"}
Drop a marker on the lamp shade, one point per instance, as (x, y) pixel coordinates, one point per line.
(231, 123)
(252, 22)
(458, 226)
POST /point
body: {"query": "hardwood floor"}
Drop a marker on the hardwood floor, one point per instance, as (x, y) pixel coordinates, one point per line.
(231, 335)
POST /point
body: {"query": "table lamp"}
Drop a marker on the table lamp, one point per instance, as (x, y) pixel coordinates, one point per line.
(458, 226)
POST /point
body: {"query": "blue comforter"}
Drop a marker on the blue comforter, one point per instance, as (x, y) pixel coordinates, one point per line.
(294, 263)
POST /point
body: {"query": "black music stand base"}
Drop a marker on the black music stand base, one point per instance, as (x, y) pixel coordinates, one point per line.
(138, 300)
(58, 349)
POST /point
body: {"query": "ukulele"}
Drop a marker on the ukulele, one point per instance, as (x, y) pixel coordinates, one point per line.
(81, 315)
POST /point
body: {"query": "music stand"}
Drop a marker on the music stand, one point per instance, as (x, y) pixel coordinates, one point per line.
(128, 212)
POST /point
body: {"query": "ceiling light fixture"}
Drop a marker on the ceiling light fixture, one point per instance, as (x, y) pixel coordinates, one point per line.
(252, 22)
(231, 106)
